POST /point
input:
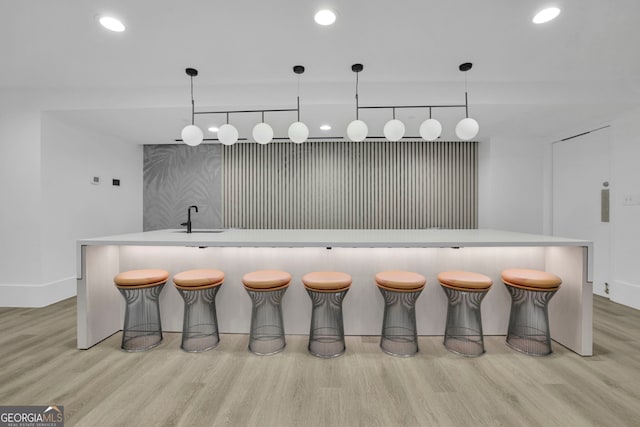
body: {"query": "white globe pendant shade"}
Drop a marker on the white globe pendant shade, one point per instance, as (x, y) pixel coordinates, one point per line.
(394, 130)
(192, 135)
(262, 133)
(357, 130)
(430, 130)
(467, 129)
(227, 134)
(298, 132)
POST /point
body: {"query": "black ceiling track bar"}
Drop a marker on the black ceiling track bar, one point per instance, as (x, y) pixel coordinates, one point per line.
(412, 106)
(279, 138)
(327, 138)
(247, 111)
(209, 139)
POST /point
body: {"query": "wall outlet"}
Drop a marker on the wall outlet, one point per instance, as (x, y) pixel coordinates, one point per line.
(95, 180)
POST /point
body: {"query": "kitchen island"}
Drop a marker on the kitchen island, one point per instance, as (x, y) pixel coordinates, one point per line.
(361, 253)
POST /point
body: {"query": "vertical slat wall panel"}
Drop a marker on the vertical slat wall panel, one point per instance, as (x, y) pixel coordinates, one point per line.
(338, 185)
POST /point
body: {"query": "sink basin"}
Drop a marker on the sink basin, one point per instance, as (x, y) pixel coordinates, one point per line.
(213, 230)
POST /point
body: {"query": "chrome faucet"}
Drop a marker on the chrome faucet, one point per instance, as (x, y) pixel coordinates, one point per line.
(188, 223)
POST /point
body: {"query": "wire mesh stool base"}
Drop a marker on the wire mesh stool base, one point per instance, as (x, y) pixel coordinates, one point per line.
(142, 328)
(399, 335)
(326, 334)
(463, 330)
(267, 328)
(529, 321)
(200, 324)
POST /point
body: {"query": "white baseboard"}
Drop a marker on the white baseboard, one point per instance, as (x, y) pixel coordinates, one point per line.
(626, 293)
(40, 295)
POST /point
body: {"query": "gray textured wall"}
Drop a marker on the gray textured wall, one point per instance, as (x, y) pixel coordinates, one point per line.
(177, 176)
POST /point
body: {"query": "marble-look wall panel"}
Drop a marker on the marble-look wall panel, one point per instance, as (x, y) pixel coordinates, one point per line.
(177, 176)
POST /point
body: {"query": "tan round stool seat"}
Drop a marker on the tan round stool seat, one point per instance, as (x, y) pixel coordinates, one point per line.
(266, 280)
(198, 279)
(326, 281)
(531, 279)
(464, 280)
(400, 281)
(141, 278)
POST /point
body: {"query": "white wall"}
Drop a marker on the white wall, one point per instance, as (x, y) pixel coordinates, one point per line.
(19, 197)
(48, 202)
(511, 184)
(74, 207)
(625, 143)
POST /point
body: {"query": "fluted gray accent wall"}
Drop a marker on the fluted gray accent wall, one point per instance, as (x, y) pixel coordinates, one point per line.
(396, 185)
(177, 176)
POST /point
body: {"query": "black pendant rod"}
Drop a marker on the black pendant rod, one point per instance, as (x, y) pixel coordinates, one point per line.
(466, 104)
(192, 72)
(357, 106)
(193, 105)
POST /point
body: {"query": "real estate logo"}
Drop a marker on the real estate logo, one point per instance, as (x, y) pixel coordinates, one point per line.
(31, 416)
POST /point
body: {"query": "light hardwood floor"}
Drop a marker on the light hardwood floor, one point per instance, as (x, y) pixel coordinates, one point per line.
(228, 386)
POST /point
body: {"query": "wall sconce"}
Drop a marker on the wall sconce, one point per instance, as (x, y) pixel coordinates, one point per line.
(228, 135)
(430, 129)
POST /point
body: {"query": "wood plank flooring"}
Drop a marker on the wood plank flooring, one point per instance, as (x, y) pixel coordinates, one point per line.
(228, 386)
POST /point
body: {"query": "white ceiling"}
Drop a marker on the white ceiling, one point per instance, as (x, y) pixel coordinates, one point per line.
(539, 81)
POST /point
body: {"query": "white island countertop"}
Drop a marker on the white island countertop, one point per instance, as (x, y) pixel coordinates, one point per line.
(335, 238)
(361, 253)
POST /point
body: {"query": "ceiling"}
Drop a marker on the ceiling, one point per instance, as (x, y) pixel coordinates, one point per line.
(539, 81)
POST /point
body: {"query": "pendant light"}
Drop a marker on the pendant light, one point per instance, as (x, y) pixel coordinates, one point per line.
(357, 130)
(191, 134)
(430, 129)
(227, 134)
(262, 132)
(394, 129)
(466, 128)
(298, 132)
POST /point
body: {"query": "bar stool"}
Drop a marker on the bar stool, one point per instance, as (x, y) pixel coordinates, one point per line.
(530, 292)
(200, 325)
(141, 290)
(400, 290)
(266, 288)
(465, 291)
(327, 289)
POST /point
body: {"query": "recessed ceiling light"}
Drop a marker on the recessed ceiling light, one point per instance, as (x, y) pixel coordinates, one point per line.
(111, 23)
(325, 17)
(546, 15)
(213, 129)
(325, 127)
